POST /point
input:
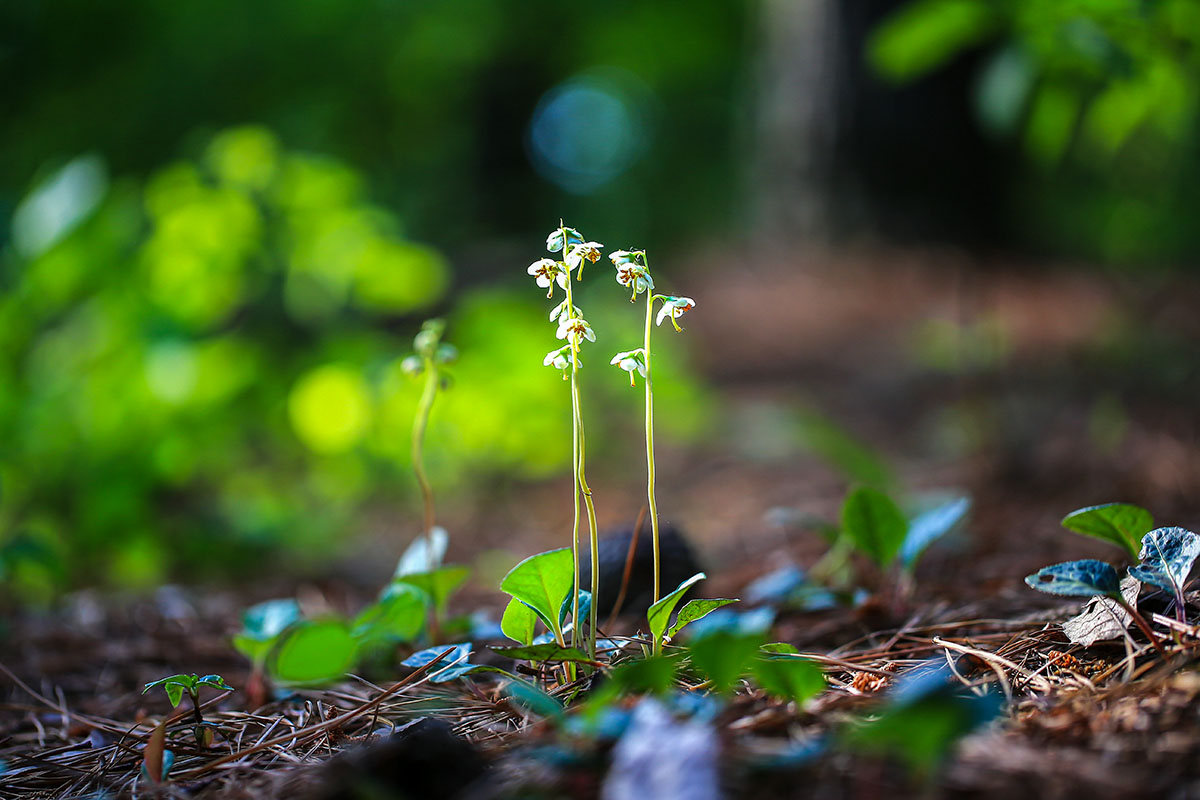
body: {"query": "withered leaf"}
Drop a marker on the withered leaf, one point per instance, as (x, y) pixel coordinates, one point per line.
(1103, 618)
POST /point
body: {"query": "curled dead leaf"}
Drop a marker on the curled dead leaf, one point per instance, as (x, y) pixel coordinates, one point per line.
(1103, 618)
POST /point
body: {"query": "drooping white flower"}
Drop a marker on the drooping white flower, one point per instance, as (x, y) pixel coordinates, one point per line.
(562, 310)
(574, 330)
(631, 361)
(559, 359)
(557, 237)
(675, 307)
(547, 272)
(620, 257)
(589, 251)
(634, 276)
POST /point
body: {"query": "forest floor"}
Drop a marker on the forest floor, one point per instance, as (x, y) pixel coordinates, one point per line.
(1033, 392)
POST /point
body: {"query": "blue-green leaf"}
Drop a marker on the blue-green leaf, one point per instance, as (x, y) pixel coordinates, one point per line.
(541, 582)
(874, 524)
(1122, 524)
(585, 607)
(1084, 578)
(928, 527)
(1167, 556)
(659, 614)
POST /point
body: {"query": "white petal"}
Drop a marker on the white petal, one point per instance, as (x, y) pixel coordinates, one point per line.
(662, 313)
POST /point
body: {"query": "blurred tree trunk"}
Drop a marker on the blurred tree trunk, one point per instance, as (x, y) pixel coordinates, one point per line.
(797, 120)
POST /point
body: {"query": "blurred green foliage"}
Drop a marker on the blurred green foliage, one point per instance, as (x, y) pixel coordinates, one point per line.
(200, 367)
(1106, 92)
(432, 97)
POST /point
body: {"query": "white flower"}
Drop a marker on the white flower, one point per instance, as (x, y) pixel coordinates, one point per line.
(562, 310)
(554, 242)
(558, 358)
(573, 330)
(637, 277)
(675, 307)
(581, 251)
(631, 361)
(412, 365)
(547, 271)
(627, 257)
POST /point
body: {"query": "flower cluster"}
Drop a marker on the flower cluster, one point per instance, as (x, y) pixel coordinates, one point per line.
(547, 272)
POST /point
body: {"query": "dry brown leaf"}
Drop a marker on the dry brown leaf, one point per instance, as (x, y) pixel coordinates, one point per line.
(1103, 618)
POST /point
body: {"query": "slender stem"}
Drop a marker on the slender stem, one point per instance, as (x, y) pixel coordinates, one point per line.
(420, 423)
(650, 443)
(195, 696)
(592, 538)
(576, 446)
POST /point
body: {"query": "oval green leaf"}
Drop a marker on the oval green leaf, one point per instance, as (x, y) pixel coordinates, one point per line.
(313, 652)
(1122, 524)
(519, 622)
(874, 524)
(1085, 578)
(397, 617)
(541, 582)
(550, 651)
(796, 679)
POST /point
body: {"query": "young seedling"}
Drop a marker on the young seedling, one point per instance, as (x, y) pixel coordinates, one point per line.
(176, 685)
(574, 329)
(430, 356)
(634, 273)
(1166, 556)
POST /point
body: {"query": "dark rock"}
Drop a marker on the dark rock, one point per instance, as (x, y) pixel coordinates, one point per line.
(678, 564)
(422, 760)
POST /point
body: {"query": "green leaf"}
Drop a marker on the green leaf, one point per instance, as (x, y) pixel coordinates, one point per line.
(780, 647)
(397, 617)
(439, 585)
(923, 35)
(697, 609)
(175, 686)
(659, 614)
(1167, 556)
(723, 656)
(519, 622)
(796, 679)
(654, 675)
(541, 582)
(874, 524)
(550, 651)
(1121, 524)
(835, 446)
(214, 681)
(1085, 578)
(313, 652)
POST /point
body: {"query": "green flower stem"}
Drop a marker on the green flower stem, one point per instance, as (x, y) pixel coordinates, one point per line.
(581, 486)
(650, 442)
(420, 423)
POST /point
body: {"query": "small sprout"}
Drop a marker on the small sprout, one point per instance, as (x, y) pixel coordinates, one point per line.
(547, 272)
(176, 685)
(675, 307)
(631, 361)
(554, 242)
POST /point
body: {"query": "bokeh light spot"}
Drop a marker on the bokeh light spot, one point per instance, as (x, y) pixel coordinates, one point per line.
(330, 408)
